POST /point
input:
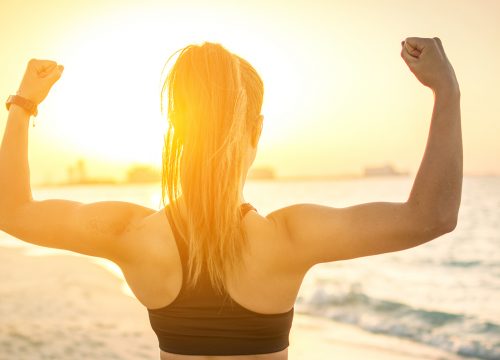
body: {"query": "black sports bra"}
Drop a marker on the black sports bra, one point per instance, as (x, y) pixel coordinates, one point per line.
(200, 321)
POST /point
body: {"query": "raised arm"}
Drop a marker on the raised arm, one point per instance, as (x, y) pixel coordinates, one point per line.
(321, 233)
(438, 184)
(92, 229)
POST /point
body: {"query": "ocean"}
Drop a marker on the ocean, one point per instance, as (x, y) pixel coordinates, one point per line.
(445, 293)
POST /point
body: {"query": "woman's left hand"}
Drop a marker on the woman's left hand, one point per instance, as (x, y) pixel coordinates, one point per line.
(38, 79)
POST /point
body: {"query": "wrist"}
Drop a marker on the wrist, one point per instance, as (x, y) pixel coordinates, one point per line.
(19, 117)
(19, 111)
(29, 106)
(450, 92)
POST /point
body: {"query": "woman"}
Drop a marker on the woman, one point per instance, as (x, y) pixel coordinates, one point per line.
(217, 277)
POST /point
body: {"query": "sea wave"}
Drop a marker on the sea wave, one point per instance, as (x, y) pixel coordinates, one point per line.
(478, 338)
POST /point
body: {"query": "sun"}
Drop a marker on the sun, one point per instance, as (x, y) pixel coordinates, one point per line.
(108, 101)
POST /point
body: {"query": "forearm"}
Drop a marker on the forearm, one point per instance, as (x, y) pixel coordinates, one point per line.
(437, 189)
(15, 186)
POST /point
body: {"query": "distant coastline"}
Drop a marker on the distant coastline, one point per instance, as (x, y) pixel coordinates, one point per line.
(147, 174)
(338, 177)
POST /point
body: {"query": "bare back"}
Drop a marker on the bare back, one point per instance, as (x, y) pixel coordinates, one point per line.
(268, 283)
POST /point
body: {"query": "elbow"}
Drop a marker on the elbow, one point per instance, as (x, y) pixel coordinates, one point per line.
(434, 229)
(448, 225)
(8, 216)
(441, 226)
(448, 220)
(432, 225)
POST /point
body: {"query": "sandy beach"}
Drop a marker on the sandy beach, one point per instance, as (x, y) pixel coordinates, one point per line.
(69, 307)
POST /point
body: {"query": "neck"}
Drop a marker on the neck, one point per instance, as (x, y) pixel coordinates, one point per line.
(241, 198)
(182, 205)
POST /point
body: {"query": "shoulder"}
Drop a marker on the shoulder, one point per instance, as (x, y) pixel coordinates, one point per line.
(284, 218)
(148, 236)
(285, 245)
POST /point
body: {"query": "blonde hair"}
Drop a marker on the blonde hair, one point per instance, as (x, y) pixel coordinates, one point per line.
(214, 105)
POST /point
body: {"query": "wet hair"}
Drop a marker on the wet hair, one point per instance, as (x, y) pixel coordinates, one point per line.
(214, 104)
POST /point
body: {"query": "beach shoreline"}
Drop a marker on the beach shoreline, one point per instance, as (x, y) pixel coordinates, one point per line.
(60, 306)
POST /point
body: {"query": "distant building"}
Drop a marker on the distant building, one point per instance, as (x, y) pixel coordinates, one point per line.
(77, 175)
(386, 170)
(143, 174)
(71, 174)
(81, 170)
(261, 173)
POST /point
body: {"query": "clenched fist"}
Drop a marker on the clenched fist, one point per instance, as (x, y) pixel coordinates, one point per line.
(38, 79)
(428, 62)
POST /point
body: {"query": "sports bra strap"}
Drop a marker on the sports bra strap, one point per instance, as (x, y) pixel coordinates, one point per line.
(246, 207)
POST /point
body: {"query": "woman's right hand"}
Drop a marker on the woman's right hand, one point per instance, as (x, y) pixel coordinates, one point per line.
(428, 62)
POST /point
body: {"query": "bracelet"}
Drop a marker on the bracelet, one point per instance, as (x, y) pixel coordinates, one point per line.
(26, 104)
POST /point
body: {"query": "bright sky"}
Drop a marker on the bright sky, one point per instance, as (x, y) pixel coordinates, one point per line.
(338, 96)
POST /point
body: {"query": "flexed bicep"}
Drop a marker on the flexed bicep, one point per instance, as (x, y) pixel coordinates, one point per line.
(94, 229)
(322, 234)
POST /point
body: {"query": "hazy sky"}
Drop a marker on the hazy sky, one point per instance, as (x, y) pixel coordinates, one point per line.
(338, 96)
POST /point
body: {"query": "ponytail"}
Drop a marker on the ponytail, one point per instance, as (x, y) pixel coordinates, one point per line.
(214, 103)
